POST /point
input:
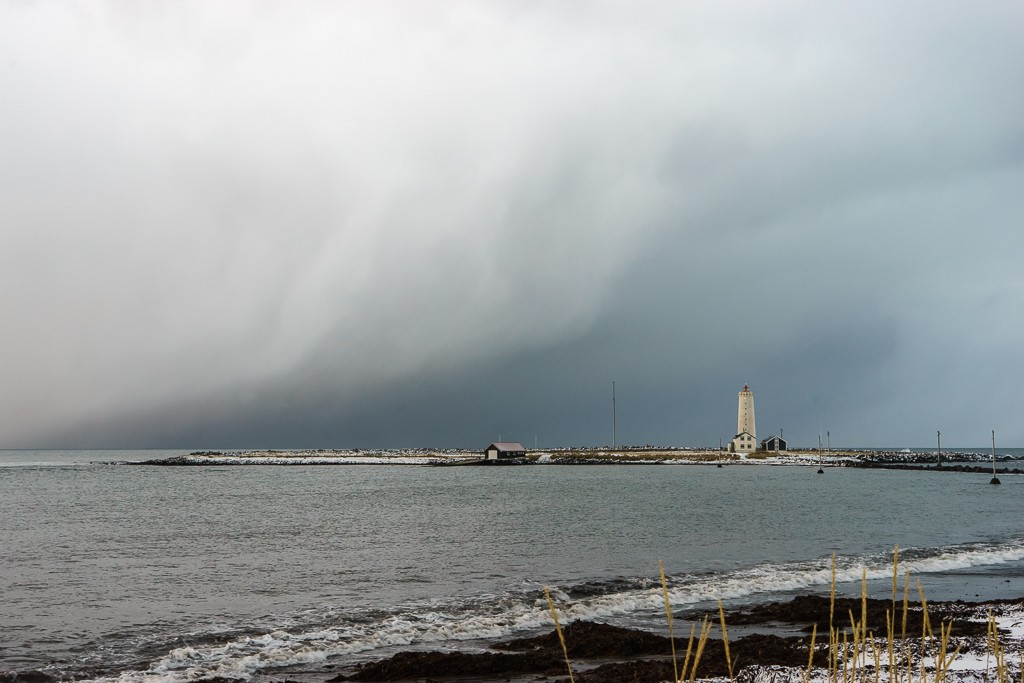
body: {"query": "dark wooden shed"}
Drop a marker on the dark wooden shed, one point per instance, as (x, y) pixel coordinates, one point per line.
(773, 443)
(503, 450)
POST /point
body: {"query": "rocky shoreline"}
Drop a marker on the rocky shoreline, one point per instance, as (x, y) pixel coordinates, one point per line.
(604, 653)
(931, 467)
(767, 643)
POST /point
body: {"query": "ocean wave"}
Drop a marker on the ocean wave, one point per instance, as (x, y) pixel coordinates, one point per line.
(500, 616)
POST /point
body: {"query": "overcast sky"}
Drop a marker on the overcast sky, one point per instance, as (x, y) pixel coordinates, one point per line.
(387, 224)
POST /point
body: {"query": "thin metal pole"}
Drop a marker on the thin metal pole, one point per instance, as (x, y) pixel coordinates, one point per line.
(615, 442)
(821, 470)
(938, 446)
(995, 479)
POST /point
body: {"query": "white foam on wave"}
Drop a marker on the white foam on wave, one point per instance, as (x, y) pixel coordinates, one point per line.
(969, 557)
(773, 578)
(242, 657)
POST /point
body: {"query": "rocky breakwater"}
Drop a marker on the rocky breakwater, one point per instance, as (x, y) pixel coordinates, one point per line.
(978, 463)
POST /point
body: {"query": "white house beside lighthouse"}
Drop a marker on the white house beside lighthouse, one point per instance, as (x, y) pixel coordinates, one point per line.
(745, 440)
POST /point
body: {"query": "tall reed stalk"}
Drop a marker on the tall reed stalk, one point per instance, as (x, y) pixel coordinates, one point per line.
(668, 616)
(561, 637)
(725, 641)
(833, 633)
(810, 654)
(854, 655)
(705, 631)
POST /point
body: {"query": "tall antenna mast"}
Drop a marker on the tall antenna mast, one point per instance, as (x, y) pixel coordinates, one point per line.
(615, 443)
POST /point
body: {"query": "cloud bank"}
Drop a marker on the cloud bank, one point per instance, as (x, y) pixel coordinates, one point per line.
(395, 223)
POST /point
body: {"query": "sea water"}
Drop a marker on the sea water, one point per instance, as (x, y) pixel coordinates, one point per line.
(112, 570)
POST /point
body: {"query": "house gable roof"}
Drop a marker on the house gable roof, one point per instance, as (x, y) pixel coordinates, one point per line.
(507, 447)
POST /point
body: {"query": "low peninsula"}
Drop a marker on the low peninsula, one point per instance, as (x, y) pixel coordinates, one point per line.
(637, 455)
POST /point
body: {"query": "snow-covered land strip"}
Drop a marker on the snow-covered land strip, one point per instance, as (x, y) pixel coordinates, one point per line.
(647, 455)
(683, 457)
(324, 457)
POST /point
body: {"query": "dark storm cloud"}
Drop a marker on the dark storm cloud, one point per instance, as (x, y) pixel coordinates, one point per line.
(406, 223)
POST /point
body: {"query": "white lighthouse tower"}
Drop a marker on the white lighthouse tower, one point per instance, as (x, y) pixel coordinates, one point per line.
(745, 440)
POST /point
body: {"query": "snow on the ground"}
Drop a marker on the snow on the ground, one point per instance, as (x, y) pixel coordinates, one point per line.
(626, 456)
(322, 457)
(974, 663)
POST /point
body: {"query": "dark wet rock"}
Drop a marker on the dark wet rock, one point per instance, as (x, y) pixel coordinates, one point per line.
(483, 462)
(808, 610)
(419, 665)
(539, 655)
(602, 653)
(755, 649)
(626, 672)
(640, 656)
(924, 458)
(174, 461)
(750, 650)
(929, 466)
(587, 589)
(589, 639)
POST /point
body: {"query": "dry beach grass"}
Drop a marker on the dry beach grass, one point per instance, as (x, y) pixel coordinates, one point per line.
(854, 653)
(892, 640)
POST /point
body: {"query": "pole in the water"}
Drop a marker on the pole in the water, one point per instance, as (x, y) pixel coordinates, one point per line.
(821, 470)
(995, 479)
